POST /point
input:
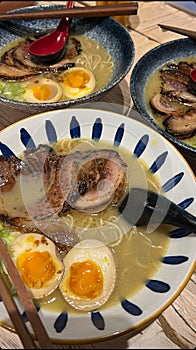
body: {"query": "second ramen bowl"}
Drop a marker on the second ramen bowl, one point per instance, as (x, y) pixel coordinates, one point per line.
(106, 31)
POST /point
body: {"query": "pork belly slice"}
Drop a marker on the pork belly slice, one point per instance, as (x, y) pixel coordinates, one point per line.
(182, 126)
(182, 66)
(7, 178)
(101, 181)
(40, 183)
(175, 75)
(163, 104)
(176, 83)
(13, 73)
(42, 159)
(9, 169)
(88, 182)
(17, 64)
(21, 57)
(57, 191)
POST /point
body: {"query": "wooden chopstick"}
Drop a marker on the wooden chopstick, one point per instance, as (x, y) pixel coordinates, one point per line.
(88, 11)
(15, 316)
(26, 300)
(190, 33)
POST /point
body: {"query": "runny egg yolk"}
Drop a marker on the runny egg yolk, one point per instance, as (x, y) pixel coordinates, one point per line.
(78, 82)
(86, 279)
(43, 90)
(36, 268)
(77, 79)
(89, 275)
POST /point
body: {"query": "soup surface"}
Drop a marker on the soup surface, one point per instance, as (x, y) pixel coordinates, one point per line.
(137, 251)
(59, 81)
(169, 97)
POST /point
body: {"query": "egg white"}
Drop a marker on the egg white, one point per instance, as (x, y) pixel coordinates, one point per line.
(34, 242)
(74, 88)
(55, 91)
(101, 255)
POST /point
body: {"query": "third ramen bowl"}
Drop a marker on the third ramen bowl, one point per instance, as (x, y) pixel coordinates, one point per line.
(160, 86)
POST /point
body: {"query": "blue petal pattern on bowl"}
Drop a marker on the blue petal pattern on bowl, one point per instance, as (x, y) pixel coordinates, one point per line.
(98, 320)
(158, 286)
(51, 132)
(159, 162)
(185, 204)
(26, 139)
(141, 146)
(74, 128)
(179, 233)
(174, 260)
(6, 151)
(119, 135)
(97, 129)
(131, 308)
(61, 322)
(171, 183)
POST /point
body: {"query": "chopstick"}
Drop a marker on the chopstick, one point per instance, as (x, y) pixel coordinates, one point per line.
(88, 11)
(187, 32)
(15, 316)
(26, 300)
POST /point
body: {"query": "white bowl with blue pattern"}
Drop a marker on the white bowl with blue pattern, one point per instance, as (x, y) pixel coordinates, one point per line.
(177, 180)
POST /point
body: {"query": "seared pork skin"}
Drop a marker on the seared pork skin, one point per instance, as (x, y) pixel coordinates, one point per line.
(101, 181)
(182, 126)
(162, 104)
(176, 102)
(9, 169)
(17, 64)
(87, 182)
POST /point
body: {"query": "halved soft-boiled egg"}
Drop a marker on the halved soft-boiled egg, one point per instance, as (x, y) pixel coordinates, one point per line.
(78, 82)
(36, 260)
(43, 90)
(89, 276)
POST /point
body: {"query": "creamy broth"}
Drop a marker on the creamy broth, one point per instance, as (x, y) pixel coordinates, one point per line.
(153, 86)
(137, 253)
(93, 56)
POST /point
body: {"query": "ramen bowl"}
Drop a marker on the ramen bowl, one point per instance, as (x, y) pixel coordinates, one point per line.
(106, 32)
(170, 52)
(133, 307)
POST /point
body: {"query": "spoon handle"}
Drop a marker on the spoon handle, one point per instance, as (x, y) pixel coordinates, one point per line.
(170, 212)
(64, 22)
(141, 207)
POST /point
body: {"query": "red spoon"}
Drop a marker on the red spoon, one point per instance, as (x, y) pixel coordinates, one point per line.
(51, 47)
